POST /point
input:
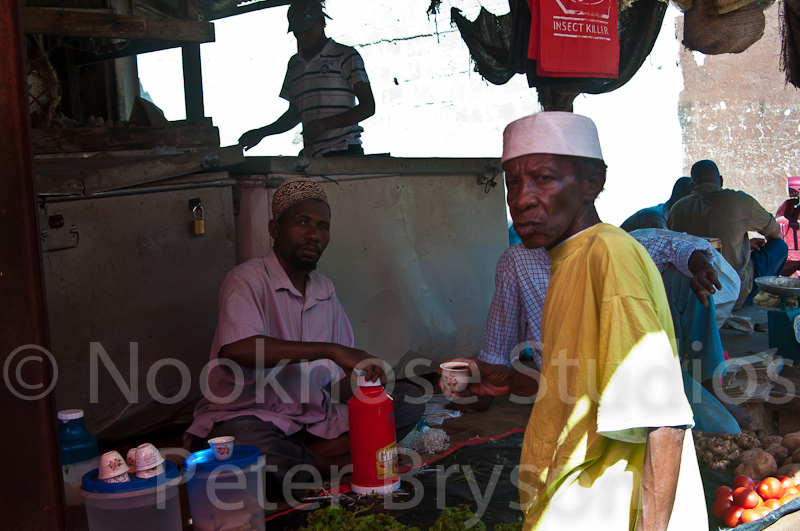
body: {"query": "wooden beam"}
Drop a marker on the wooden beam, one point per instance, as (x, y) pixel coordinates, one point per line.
(83, 139)
(110, 52)
(93, 175)
(34, 498)
(247, 8)
(103, 25)
(192, 72)
(193, 83)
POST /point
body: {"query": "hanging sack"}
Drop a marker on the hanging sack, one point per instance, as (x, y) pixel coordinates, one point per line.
(732, 32)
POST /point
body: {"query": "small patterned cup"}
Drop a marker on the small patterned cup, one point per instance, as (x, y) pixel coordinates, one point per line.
(222, 447)
(147, 457)
(111, 465)
(455, 375)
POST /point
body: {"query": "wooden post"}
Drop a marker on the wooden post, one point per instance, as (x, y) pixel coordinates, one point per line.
(192, 73)
(34, 497)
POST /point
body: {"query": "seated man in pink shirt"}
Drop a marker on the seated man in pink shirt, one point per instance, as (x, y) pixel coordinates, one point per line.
(282, 345)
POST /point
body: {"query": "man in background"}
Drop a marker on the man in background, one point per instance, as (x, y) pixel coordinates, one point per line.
(655, 217)
(282, 347)
(323, 81)
(711, 211)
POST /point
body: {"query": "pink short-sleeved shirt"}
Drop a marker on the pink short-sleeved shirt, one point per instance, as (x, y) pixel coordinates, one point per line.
(257, 298)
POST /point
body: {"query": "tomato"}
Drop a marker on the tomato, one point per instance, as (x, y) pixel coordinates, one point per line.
(720, 506)
(732, 516)
(763, 511)
(786, 482)
(792, 490)
(770, 488)
(787, 497)
(746, 498)
(743, 481)
(725, 491)
(750, 515)
(773, 504)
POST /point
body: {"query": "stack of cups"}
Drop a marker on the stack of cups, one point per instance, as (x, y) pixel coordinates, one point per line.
(149, 462)
(131, 460)
(112, 468)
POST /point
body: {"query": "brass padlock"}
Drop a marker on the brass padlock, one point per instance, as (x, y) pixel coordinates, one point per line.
(199, 222)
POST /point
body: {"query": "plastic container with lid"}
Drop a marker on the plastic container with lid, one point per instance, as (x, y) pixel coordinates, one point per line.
(152, 504)
(226, 494)
(77, 444)
(373, 444)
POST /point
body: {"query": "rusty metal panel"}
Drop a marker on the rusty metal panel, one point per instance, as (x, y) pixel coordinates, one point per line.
(124, 272)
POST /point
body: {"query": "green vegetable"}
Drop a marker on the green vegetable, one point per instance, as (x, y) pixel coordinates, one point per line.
(457, 519)
(337, 518)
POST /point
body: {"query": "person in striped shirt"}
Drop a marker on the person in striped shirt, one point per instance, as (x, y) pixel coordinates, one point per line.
(327, 87)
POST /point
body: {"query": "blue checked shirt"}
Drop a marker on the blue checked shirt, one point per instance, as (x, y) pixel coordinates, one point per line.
(521, 278)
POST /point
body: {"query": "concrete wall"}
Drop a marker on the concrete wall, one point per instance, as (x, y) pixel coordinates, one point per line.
(737, 110)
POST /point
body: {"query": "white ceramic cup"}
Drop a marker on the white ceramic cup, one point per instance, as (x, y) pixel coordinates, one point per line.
(150, 472)
(111, 465)
(222, 447)
(131, 460)
(147, 457)
(455, 375)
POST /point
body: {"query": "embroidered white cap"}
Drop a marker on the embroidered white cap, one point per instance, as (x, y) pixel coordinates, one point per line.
(554, 133)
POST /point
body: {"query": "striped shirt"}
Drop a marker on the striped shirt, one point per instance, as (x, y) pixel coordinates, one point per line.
(514, 322)
(323, 86)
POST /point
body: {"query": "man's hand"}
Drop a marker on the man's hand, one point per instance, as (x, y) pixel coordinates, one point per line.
(353, 358)
(757, 243)
(705, 278)
(251, 138)
(485, 380)
(704, 283)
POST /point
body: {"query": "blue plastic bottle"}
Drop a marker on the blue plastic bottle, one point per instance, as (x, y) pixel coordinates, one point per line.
(77, 444)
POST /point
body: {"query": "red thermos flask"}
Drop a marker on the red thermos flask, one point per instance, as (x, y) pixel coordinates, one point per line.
(373, 448)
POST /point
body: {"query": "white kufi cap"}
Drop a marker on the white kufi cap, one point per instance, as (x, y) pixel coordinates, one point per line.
(553, 133)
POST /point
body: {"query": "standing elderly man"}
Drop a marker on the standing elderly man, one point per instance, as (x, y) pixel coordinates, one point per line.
(713, 211)
(323, 81)
(282, 344)
(514, 321)
(610, 426)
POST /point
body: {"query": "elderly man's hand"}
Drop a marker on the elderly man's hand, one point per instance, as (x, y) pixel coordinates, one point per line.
(705, 277)
(757, 243)
(704, 283)
(485, 380)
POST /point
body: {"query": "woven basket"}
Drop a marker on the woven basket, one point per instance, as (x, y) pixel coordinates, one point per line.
(732, 32)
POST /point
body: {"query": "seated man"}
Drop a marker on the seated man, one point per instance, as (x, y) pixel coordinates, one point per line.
(612, 426)
(655, 217)
(282, 343)
(515, 316)
(716, 212)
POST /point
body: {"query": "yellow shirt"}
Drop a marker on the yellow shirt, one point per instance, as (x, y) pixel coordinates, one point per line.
(610, 373)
